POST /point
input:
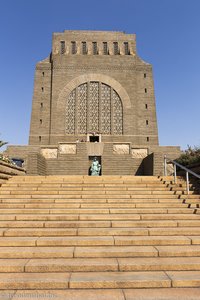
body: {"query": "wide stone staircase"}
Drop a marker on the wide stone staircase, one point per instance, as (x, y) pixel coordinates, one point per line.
(107, 237)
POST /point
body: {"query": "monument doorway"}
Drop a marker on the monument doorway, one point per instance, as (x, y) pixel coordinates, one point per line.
(94, 139)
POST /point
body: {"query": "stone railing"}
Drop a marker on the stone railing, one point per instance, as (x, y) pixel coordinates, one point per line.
(8, 170)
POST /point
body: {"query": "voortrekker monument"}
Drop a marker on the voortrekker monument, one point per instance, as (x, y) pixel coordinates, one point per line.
(93, 97)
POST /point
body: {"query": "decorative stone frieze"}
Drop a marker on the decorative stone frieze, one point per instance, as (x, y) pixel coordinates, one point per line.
(139, 153)
(121, 149)
(67, 148)
(49, 152)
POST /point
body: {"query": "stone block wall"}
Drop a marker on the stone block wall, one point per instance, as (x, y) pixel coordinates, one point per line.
(36, 164)
(116, 158)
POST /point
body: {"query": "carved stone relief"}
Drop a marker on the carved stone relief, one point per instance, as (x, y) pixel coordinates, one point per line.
(139, 153)
(121, 149)
(67, 148)
(49, 152)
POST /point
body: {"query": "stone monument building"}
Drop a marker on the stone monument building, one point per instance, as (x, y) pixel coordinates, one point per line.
(93, 97)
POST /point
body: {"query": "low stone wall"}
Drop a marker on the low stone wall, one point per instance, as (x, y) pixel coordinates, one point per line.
(8, 170)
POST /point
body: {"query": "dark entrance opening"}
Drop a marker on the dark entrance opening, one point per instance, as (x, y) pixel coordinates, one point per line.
(94, 138)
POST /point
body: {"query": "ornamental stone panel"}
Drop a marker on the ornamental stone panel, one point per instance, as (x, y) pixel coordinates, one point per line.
(139, 153)
(49, 152)
(67, 148)
(121, 149)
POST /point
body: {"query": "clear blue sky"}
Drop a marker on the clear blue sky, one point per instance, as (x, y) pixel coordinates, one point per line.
(168, 37)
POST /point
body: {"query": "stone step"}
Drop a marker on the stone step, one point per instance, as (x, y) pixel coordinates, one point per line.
(36, 252)
(181, 211)
(138, 251)
(94, 211)
(95, 181)
(45, 217)
(58, 265)
(187, 250)
(142, 224)
(55, 187)
(103, 241)
(91, 182)
(129, 216)
(19, 224)
(131, 205)
(17, 241)
(54, 211)
(142, 215)
(94, 197)
(194, 196)
(170, 217)
(74, 217)
(137, 231)
(88, 178)
(97, 280)
(107, 294)
(12, 266)
(184, 278)
(156, 293)
(99, 252)
(164, 210)
(71, 265)
(195, 240)
(192, 201)
(99, 202)
(75, 241)
(95, 192)
(99, 264)
(91, 205)
(153, 240)
(156, 223)
(94, 280)
(40, 232)
(91, 196)
(118, 224)
(73, 232)
(34, 281)
(159, 264)
(174, 231)
(87, 192)
(56, 224)
(98, 217)
(116, 251)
